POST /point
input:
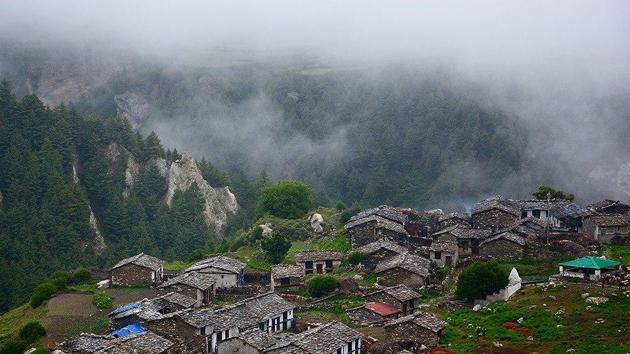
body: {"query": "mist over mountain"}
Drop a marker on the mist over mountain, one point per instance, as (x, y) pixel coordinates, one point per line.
(427, 104)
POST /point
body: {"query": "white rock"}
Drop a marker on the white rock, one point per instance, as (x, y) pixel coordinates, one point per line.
(316, 221)
(585, 295)
(103, 284)
(476, 308)
(266, 229)
(596, 300)
(520, 320)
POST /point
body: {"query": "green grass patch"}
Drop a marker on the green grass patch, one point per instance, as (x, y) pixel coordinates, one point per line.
(618, 252)
(83, 288)
(13, 320)
(102, 300)
(176, 266)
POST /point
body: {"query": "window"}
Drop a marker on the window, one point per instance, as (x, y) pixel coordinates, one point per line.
(329, 265)
(284, 281)
(536, 213)
(438, 255)
(261, 326)
(523, 214)
(309, 267)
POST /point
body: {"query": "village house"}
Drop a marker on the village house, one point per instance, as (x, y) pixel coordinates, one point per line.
(545, 210)
(400, 296)
(143, 342)
(372, 313)
(467, 239)
(378, 251)
(287, 276)
(606, 228)
(408, 269)
(412, 331)
(505, 246)
(589, 268)
(452, 219)
(318, 261)
(196, 285)
(226, 272)
(184, 328)
(331, 338)
(495, 213)
(608, 206)
(149, 309)
(377, 223)
(140, 269)
(253, 341)
(444, 253)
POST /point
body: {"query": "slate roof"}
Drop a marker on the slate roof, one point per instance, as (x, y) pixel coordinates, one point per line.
(569, 210)
(535, 204)
(142, 260)
(180, 299)
(197, 280)
(326, 338)
(410, 262)
(609, 219)
(86, 343)
(604, 204)
(315, 255)
(142, 343)
(443, 246)
(381, 308)
(257, 338)
(449, 216)
(536, 221)
(401, 292)
(465, 232)
(422, 319)
(384, 211)
(150, 309)
(498, 202)
(591, 263)
(381, 223)
(221, 262)
(380, 244)
(507, 235)
(286, 271)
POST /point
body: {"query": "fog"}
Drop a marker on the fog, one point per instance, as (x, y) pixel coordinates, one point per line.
(561, 67)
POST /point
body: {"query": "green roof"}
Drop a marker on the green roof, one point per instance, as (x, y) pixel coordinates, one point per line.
(591, 262)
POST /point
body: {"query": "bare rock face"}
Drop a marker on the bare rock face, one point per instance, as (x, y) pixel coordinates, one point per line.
(133, 107)
(219, 202)
(113, 155)
(131, 175)
(98, 243)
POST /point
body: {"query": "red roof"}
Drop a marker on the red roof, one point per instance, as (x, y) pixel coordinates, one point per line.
(381, 308)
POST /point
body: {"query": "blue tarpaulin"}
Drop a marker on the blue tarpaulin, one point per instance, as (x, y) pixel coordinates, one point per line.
(125, 308)
(133, 328)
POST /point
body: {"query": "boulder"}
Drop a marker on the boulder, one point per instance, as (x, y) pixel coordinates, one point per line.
(596, 300)
(266, 229)
(316, 221)
(476, 307)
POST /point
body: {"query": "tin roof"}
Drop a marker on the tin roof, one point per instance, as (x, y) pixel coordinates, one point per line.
(591, 263)
(381, 308)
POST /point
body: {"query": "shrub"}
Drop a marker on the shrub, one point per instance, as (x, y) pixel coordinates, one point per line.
(321, 285)
(255, 235)
(13, 347)
(348, 213)
(481, 279)
(81, 275)
(42, 293)
(60, 279)
(102, 300)
(289, 200)
(275, 247)
(340, 206)
(196, 255)
(355, 258)
(32, 331)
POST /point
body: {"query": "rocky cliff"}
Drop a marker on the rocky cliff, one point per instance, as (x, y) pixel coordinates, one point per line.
(219, 202)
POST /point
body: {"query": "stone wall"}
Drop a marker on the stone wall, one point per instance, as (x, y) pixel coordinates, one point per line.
(132, 275)
(397, 276)
(503, 250)
(185, 337)
(371, 260)
(188, 291)
(409, 334)
(362, 234)
(493, 219)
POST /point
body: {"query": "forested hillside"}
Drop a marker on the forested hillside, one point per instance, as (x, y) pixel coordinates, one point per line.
(57, 167)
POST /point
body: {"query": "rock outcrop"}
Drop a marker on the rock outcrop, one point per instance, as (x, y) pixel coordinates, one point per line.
(98, 241)
(133, 107)
(219, 202)
(316, 221)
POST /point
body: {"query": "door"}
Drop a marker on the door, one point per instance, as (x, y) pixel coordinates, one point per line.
(320, 268)
(448, 261)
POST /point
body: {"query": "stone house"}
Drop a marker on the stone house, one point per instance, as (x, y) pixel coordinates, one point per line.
(287, 276)
(227, 272)
(140, 269)
(444, 253)
(145, 342)
(149, 309)
(504, 246)
(608, 206)
(408, 269)
(452, 219)
(372, 313)
(253, 341)
(412, 331)
(606, 228)
(196, 285)
(184, 328)
(318, 262)
(333, 337)
(467, 239)
(378, 251)
(495, 214)
(377, 223)
(399, 296)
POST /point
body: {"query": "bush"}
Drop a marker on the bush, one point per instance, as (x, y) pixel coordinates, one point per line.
(60, 279)
(13, 347)
(255, 235)
(321, 285)
(348, 213)
(340, 206)
(42, 293)
(289, 200)
(481, 279)
(32, 331)
(196, 255)
(102, 300)
(81, 275)
(355, 258)
(275, 247)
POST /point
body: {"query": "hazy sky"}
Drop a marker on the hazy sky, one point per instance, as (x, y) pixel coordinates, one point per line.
(568, 59)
